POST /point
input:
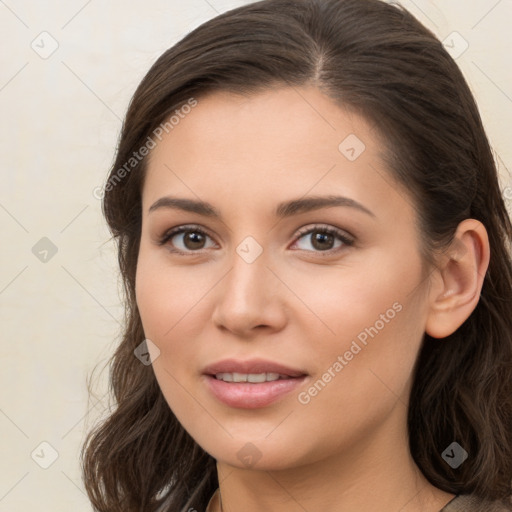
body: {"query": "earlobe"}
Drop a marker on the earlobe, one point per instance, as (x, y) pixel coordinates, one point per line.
(458, 279)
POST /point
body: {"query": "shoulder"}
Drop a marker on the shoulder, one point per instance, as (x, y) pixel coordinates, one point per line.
(473, 503)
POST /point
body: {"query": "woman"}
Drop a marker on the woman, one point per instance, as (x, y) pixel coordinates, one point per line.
(315, 253)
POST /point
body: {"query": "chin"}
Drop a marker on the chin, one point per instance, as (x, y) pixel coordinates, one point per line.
(259, 454)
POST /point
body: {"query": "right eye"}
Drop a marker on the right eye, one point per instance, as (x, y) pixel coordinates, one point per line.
(189, 239)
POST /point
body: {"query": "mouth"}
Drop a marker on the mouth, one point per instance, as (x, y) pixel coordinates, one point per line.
(254, 378)
(251, 384)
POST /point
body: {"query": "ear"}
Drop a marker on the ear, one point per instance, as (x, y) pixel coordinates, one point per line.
(456, 283)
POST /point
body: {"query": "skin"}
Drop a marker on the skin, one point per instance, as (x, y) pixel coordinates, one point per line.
(346, 449)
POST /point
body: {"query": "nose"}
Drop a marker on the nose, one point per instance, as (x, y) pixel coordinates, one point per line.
(250, 298)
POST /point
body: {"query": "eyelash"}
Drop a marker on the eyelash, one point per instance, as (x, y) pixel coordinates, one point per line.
(347, 241)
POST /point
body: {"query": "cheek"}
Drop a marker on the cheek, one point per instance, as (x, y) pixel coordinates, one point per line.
(364, 376)
(173, 307)
(169, 299)
(166, 306)
(371, 299)
(375, 319)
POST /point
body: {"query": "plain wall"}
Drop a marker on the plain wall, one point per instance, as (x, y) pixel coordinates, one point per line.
(60, 119)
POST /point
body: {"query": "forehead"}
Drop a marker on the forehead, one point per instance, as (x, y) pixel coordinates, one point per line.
(265, 148)
(286, 120)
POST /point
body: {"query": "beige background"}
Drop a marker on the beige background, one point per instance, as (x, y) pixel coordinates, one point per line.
(60, 118)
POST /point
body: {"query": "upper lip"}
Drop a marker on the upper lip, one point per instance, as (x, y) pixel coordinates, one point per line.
(251, 366)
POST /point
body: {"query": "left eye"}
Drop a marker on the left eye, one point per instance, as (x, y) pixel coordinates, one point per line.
(323, 239)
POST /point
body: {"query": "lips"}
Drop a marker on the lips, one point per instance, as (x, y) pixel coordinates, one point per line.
(251, 394)
(252, 366)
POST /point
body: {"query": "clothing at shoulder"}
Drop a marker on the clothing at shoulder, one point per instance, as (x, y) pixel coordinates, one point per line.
(472, 503)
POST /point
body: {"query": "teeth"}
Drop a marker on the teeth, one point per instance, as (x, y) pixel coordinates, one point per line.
(249, 377)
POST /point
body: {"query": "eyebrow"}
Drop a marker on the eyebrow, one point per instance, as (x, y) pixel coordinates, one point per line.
(285, 209)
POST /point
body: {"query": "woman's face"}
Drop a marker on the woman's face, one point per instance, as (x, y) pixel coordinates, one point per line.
(256, 288)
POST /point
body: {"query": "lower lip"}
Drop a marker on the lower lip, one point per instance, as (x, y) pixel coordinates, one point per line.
(247, 395)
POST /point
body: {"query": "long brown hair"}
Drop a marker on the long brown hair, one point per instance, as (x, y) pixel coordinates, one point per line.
(379, 61)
